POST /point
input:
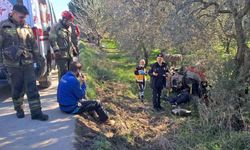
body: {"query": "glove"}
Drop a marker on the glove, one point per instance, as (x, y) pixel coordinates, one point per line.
(57, 54)
(141, 72)
(76, 52)
(39, 65)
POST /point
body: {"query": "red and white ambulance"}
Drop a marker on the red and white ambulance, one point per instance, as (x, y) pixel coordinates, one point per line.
(41, 18)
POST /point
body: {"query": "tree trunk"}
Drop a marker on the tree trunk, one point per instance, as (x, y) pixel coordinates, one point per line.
(146, 55)
(243, 68)
(242, 56)
(241, 40)
(227, 46)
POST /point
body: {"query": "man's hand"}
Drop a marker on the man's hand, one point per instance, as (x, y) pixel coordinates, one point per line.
(57, 55)
(155, 74)
(76, 52)
(83, 78)
(53, 56)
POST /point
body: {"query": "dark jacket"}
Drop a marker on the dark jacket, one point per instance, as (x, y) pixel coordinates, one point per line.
(158, 82)
(69, 92)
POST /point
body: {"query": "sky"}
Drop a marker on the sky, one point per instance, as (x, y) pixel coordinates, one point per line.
(59, 7)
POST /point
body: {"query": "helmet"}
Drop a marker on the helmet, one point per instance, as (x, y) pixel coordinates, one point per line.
(68, 15)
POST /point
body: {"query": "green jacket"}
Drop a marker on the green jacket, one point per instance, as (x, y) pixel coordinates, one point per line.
(17, 44)
(61, 40)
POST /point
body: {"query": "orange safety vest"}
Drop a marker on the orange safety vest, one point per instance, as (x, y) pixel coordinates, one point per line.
(140, 77)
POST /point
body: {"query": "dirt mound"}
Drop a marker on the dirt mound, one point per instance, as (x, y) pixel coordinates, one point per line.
(132, 125)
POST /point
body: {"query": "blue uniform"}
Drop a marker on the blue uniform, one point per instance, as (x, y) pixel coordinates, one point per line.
(69, 92)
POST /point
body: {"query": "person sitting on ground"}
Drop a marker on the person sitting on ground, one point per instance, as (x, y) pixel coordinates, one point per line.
(188, 83)
(140, 75)
(181, 90)
(71, 94)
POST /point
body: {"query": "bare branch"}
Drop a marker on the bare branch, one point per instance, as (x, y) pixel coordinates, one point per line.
(216, 5)
(245, 10)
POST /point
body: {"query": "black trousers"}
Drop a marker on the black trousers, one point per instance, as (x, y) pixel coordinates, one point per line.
(141, 86)
(93, 106)
(63, 66)
(183, 97)
(23, 80)
(157, 98)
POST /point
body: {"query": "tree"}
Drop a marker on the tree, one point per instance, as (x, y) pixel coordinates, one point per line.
(137, 25)
(140, 26)
(232, 17)
(236, 12)
(91, 17)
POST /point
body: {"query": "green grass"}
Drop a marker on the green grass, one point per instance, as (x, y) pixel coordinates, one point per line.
(101, 144)
(116, 66)
(210, 137)
(109, 44)
(87, 56)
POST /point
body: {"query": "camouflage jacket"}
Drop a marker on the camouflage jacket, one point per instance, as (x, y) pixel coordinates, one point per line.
(61, 40)
(17, 44)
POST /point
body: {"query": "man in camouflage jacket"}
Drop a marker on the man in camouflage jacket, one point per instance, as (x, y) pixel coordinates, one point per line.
(18, 53)
(62, 43)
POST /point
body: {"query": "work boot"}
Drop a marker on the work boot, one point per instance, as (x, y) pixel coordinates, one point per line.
(20, 113)
(93, 115)
(161, 108)
(39, 115)
(103, 115)
(142, 98)
(155, 109)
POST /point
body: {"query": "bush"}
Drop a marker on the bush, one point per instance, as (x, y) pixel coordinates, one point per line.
(194, 135)
(101, 143)
(103, 74)
(237, 141)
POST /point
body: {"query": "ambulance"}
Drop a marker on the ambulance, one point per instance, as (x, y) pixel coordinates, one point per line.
(41, 18)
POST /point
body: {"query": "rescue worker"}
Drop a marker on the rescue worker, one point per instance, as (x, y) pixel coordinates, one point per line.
(158, 74)
(140, 75)
(71, 94)
(18, 53)
(61, 41)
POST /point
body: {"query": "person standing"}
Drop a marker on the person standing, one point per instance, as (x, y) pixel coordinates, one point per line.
(158, 73)
(62, 43)
(18, 53)
(140, 75)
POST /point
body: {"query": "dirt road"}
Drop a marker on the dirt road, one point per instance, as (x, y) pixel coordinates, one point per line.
(26, 134)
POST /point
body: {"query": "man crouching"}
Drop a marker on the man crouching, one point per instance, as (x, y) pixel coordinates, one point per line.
(71, 94)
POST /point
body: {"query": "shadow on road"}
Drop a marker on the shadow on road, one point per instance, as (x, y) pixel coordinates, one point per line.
(31, 134)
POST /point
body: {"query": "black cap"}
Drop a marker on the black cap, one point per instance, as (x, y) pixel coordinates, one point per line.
(21, 9)
(160, 55)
